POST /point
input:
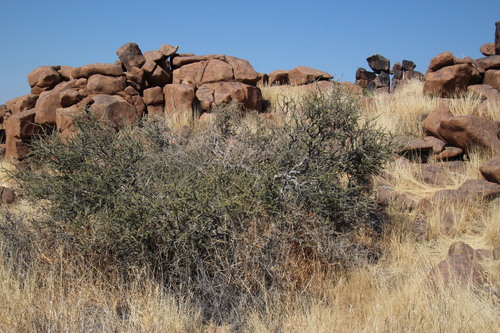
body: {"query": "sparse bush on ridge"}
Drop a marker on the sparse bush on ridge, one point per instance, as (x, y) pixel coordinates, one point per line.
(225, 215)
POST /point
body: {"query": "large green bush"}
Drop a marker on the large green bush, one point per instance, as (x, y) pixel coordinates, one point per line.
(224, 214)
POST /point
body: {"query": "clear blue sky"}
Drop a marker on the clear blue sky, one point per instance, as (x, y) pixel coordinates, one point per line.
(335, 36)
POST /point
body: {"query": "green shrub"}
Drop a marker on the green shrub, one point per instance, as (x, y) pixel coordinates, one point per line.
(224, 215)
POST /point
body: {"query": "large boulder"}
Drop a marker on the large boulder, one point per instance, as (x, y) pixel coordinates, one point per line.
(44, 77)
(131, 56)
(216, 71)
(113, 110)
(481, 188)
(489, 62)
(378, 63)
(153, 96)
(458, 269)
(485, 91)
(99, 68)
(304, 75)
(168, 50)
(468, 131)
(491, 169)
(441, 60)
(243, 71)
(448, 81)
(364, 77)
(101, 84)
(179, 98)
(214, 94)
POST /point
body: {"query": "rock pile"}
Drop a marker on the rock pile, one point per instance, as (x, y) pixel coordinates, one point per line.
(448, 76)
(155, 84)
(380, 78)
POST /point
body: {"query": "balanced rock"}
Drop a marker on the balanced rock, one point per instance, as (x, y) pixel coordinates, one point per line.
(44, 77)
(130, 55)
(488, 49)
(378, 63)
(441, 60)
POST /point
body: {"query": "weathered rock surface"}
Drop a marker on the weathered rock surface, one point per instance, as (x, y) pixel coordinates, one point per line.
(441, 60)
(100, 84)
(19, 129)
(458, 269)
(130, 55)
(492, 78)
(304, 75)
(213, 94)
(482, 189)
(153, 96)
(7, 195)
(466, 132)
(44, 77)
(485, 91)
(179, 98)
(99, 68)
(113, 110)
(22, 103)
(491, 169)
(448, 81)
(487, 49)
(279, 77)
(378, 63)
(489, 62)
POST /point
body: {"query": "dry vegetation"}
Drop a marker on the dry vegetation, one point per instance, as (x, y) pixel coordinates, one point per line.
(388, 295)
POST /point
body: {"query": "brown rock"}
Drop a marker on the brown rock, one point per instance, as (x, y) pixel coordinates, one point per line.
(492, 78)
(304, 75)
(131, 56)
(448, 81)
(488, 49)
(190, 74)
(131, 96)
(414, 149)
(279, 78)
(100, 84)
(449, 153)
(263, 80)
(154, 55)
(489, 62)
(378, 63)
(47, 104)
(459, 269)
(485, 91)
(437, 144)
(70, 97)
(448, 196)
(491, 169)
(481, 188)
(168, 50)
(216, 71)
(459, 248)
(352, 88)
(364, 77)
(99, 68)
(214, 94)
(156, 111)
(113, 110)
(19, 129)
(432, 122)
(179, 61)
(44, 77)
(243, 71)
(408, 65)
(22, 103)
(496, 253)
(433, 175)
(441, 60)
(468, 131)
(66, 73)
(7, 195)
(159, 77)
(136, 77)
(179, 98)
(153, 96)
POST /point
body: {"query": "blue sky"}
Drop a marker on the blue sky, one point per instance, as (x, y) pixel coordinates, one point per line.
(334, 36)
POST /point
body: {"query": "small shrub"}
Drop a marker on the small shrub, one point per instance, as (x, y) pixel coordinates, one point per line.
(236, 213)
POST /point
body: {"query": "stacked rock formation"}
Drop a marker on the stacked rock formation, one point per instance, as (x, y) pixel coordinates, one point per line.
(157, 84)
(380, 80)
(449, 76)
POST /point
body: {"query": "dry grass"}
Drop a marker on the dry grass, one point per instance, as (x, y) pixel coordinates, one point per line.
(389, 296)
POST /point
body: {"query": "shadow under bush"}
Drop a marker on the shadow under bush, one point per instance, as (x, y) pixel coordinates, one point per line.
(239, 212)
